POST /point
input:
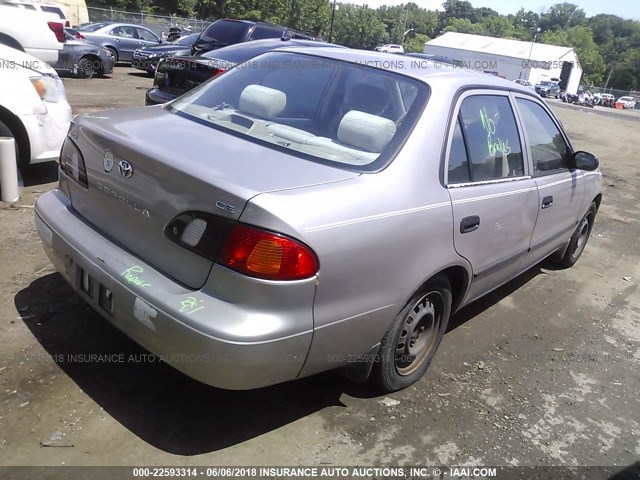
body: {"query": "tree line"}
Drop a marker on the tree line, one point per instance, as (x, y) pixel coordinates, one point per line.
(608, 46)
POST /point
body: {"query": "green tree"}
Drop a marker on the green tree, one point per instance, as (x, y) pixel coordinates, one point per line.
(416, 43)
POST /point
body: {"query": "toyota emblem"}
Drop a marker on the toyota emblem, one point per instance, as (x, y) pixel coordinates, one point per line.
(125, 169)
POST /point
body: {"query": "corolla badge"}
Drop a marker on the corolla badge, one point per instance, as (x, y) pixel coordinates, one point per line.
(125, 169)
(108, 161)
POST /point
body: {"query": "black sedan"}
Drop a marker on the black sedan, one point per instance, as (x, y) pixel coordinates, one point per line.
(147, 58)
(82, 58)
(177, 75)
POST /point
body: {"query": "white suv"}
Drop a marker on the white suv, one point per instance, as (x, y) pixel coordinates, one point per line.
(54, 12)
(33, 107)
(33, 32)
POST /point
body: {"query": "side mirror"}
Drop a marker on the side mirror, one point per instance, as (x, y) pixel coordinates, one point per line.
(585, 161)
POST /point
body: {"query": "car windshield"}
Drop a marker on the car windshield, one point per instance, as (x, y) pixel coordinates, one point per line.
(224, 32)
(320, 109)
(92, 27)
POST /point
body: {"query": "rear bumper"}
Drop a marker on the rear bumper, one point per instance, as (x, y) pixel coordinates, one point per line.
(155, 96)
(244, 346)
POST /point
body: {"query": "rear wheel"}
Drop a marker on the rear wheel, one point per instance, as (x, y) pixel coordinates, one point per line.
(114, 53)
(579, 239)
(86, 68)
(408, 348)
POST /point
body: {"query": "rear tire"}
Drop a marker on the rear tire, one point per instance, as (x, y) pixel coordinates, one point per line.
(86, 68)
(407, 349)
(579, 238)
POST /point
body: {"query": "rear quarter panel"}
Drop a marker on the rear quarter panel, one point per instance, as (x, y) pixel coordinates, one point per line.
(378, 238)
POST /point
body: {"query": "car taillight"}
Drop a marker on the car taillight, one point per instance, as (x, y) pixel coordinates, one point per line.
(72, 163)
(58, 29)
(262, 254)
(67, 24)
(217, 72)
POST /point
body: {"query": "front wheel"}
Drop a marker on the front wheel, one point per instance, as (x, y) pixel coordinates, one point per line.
(407, 349)
(579, 239)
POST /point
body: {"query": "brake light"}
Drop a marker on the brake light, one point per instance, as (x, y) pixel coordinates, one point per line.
(268, 255)
(217, 72)
(72, 163)
(58, 29)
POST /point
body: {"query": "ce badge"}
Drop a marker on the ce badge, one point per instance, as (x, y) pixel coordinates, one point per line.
(108, 161)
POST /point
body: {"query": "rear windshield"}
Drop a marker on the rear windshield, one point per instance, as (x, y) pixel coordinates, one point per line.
(187, 40)
(225, 32)
(325, 110)
(92, 27)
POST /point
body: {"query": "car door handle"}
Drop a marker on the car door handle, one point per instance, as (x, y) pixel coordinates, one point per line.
(547, 202)
(469, 224)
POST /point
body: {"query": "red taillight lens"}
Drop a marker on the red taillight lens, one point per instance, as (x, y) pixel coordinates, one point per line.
(58, 29)
(217, 72)
(72, 163)
(267, 255)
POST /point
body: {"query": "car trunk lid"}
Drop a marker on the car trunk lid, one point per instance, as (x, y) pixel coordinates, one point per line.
(147, 166)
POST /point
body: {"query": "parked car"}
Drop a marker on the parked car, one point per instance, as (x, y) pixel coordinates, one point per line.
(33, 107)
(392, 48)
(524, 83)
(175, 76)
(262, 234)
(227, 31)
(54, 12)
(430, 57)
(30, 32)
(146, 58)
(548, 89)
(84, 59)
(627, 102)
(121, 38)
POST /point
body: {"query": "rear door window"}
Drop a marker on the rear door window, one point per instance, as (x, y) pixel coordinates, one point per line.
(492, 139)
(549, 150)
(458, 159)
(261, 32)
(125, 32)
(225, 32)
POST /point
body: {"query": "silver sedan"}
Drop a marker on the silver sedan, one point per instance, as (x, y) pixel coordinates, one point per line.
(314, 209)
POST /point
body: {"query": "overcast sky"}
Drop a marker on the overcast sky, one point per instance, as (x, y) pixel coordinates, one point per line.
(623, 8)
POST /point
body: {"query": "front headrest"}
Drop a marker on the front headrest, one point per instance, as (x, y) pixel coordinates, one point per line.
(365, 131)
(262, 101)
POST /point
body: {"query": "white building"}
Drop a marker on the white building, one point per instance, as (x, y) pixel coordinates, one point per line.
(510, 59)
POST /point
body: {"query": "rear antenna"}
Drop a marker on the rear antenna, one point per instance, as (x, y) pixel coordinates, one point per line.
(285, 36)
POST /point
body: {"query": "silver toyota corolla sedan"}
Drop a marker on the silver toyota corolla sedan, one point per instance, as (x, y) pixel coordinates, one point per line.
(311, 210)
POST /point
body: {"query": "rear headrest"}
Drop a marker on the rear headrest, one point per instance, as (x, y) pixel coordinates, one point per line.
(365, 131)
(262, 101)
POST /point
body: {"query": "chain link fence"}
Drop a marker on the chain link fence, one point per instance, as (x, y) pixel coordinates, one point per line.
(617, 93)
(159, 24)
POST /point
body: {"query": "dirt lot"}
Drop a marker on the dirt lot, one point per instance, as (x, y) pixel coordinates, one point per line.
(542, 372)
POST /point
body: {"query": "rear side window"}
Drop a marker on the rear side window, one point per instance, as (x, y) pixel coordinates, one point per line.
(549, 151)
(260, 33)
(55, 10)
(458, 160)
(125, 32)
(29, 7)
(491, 136)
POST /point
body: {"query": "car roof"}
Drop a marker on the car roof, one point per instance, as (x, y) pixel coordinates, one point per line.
(456, 77)
(262, 46)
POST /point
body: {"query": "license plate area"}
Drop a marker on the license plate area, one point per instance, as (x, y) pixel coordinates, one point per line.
(95, 290)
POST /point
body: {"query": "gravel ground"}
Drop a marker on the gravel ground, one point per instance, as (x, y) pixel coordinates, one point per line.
(544, 371)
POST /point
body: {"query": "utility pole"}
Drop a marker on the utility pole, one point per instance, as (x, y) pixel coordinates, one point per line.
(333, 14)
(406, 14)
